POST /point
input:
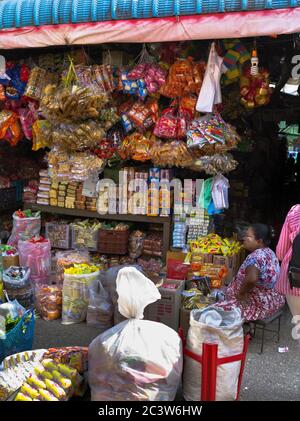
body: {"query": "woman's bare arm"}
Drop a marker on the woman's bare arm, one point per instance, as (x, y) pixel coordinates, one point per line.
(251, 278)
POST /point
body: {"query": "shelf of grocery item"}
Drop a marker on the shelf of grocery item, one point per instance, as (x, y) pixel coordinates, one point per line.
(83, 213)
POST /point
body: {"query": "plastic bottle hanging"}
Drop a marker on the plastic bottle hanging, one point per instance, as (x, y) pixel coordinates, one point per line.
(254, 62)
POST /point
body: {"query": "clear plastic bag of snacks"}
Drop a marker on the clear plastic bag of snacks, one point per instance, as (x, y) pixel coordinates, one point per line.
(48, 301)
(171, 154)
(215, 164)
(85, 235)
(137, 146)
(41, 134)
(36, 254)
(100, 308)
(66, 104)
(77, 136)
(66, 259)
(10, 129)
(171, 125)
(24, 226)
(76, 292)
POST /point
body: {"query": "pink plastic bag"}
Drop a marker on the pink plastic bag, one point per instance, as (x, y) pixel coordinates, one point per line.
(36, 254)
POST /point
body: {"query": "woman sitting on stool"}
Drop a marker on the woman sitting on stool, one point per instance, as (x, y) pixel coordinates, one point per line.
(252, 290)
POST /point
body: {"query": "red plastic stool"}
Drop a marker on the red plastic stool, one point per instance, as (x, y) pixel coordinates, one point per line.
(210, 361)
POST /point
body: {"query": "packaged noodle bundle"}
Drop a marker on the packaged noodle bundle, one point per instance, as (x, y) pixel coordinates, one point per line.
(77, 280)
(73, 166)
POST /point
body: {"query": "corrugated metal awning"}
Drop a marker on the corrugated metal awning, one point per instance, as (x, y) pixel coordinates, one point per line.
(24, 13)
(181, 28)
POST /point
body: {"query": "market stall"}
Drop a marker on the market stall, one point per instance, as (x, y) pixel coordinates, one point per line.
(123, 208)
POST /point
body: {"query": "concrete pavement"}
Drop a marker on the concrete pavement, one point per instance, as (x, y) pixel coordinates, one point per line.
(271, 376)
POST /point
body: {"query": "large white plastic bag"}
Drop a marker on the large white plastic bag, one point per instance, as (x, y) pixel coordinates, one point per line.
(100, 308)
(108, 280)
(225, 328)
(136, 359)
(210, 92)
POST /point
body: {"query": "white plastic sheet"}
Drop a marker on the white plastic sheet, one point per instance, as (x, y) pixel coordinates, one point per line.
(210, 93)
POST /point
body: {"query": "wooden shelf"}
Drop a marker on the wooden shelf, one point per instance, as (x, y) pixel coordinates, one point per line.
(165, 221)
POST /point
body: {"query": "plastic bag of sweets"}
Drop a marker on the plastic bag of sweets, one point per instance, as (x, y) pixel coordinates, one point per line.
(26, 224)
(74, 356)
(137, 147)
(77, 280)
(138, 113)
(67, 259)
(36, 254)
(171, 125)
(10, 129)
(48, 301)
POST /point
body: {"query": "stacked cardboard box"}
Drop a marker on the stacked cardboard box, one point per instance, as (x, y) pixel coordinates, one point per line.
(80, 199)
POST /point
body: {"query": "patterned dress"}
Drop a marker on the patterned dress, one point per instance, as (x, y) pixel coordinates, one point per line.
(263, 300)
(290, 230)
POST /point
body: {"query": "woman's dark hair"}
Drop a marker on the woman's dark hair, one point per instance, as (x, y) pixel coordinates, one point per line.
(263, 232)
